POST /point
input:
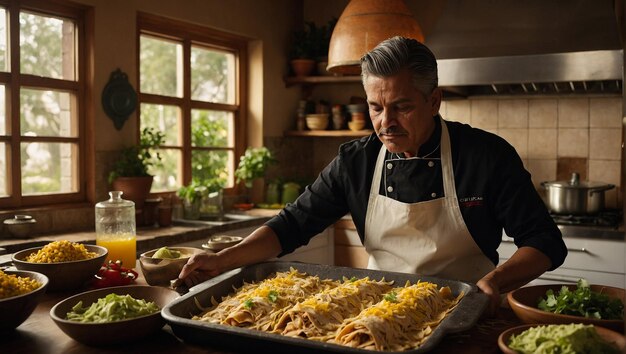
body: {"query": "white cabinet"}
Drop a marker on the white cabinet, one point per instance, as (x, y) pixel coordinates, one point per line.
(597, 260)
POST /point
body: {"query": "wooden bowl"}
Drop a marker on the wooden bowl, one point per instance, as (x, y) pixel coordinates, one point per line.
(100, 334)
(606, 334)
(63, 275)
(523, 302)
(159, 271)
(16, 309)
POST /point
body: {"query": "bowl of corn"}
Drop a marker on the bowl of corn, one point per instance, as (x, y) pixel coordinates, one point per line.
(68, 265)
(20, 293)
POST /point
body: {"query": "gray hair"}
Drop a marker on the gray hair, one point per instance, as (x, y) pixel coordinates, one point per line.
(397, 53)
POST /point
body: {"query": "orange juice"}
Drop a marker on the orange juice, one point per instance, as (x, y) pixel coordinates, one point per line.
(122, 247)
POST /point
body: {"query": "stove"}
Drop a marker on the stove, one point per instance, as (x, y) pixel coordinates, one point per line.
(610, 218)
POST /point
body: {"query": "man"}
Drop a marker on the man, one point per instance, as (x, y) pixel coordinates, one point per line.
(427, 196)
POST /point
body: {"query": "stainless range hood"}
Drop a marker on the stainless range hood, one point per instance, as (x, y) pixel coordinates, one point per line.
(561, 73)
(525, 47)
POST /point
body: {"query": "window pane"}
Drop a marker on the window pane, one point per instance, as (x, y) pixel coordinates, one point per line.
(212, 75)
(4, 53)
(167, 175)
(4, 191)
(3, 115)
(160, 67)
(48, 168)
(47, 46)
(211, 165)
(164, 119)
(46, 113)
(212, 128)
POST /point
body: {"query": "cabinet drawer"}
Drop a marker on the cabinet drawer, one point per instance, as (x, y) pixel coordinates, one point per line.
(583, 254)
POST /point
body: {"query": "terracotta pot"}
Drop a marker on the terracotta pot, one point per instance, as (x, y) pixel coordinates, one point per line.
(135, 189)
(302, 67)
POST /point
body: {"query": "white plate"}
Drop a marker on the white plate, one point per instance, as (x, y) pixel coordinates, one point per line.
(219, 242)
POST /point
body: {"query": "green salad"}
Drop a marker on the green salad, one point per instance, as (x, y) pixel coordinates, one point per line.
(582, 302)
(575, 338)
(112, 308)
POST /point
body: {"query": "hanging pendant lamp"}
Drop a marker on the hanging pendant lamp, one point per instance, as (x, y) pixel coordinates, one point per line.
(362, 25)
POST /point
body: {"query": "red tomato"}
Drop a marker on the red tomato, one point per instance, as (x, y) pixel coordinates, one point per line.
(113, 274)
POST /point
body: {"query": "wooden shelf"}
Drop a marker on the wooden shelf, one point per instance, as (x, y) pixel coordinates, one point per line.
(312, 80)
(329, 133)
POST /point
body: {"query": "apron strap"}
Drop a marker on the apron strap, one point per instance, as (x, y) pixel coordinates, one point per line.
(447, 172)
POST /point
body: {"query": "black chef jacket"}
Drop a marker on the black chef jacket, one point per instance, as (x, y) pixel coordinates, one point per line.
(493, 189)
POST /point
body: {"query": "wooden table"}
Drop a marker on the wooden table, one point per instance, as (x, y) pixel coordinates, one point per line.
(39, 334)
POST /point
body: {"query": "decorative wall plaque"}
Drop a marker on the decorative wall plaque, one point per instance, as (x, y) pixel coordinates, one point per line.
(119, 99)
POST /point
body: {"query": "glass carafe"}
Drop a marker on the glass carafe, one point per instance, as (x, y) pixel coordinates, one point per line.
(116, 229)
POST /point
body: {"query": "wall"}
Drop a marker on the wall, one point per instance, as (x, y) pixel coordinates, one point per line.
(554, 136)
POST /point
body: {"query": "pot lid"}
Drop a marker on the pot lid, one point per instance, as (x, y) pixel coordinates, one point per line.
(576, 183)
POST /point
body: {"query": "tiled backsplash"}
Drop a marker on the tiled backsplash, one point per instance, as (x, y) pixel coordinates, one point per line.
(554, 136)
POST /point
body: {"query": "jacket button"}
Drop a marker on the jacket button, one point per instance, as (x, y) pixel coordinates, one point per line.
(389, 166)
(433, 194)
(431, 164)
(390, 189)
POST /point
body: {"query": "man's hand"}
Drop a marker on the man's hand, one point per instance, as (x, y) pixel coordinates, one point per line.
(199, 267)
(492, 290)
(260, 246)
(524, 265)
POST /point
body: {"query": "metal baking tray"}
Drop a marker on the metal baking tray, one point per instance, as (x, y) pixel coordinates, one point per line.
(179, 312)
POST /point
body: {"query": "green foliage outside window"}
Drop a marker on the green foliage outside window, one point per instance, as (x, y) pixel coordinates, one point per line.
(210, 129)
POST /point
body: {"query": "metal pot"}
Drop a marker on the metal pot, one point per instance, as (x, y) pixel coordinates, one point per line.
(576, 197)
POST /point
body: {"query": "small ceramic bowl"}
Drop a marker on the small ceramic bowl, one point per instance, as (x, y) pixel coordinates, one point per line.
(524, 301)
(356, 107)
(606, 334)
(20, 226)
(107, 333)
(63, 275)
(317, 121)
(159, 271)
(356, 125)
(16, 309)
(220, 242)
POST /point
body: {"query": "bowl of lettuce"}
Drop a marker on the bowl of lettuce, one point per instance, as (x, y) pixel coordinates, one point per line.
(112, 315)
(561, 338)
(598, 305)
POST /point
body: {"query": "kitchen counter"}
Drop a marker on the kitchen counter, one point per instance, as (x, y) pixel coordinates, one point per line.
(39, 334)
(595, 232)
(149, 238)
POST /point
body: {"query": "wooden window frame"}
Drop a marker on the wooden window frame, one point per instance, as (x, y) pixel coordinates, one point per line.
(80, 88)
(189, 35)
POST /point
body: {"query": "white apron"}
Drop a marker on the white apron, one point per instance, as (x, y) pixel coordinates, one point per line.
(428, 238)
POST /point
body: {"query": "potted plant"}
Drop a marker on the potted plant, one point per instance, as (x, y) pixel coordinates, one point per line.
(130, 172)
(191, 196)
(253, 164)
(310, 44)
(202, 199)
(303, 50)
(321, 41)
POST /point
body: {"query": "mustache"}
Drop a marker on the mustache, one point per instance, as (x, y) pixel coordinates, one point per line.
(395, 130)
